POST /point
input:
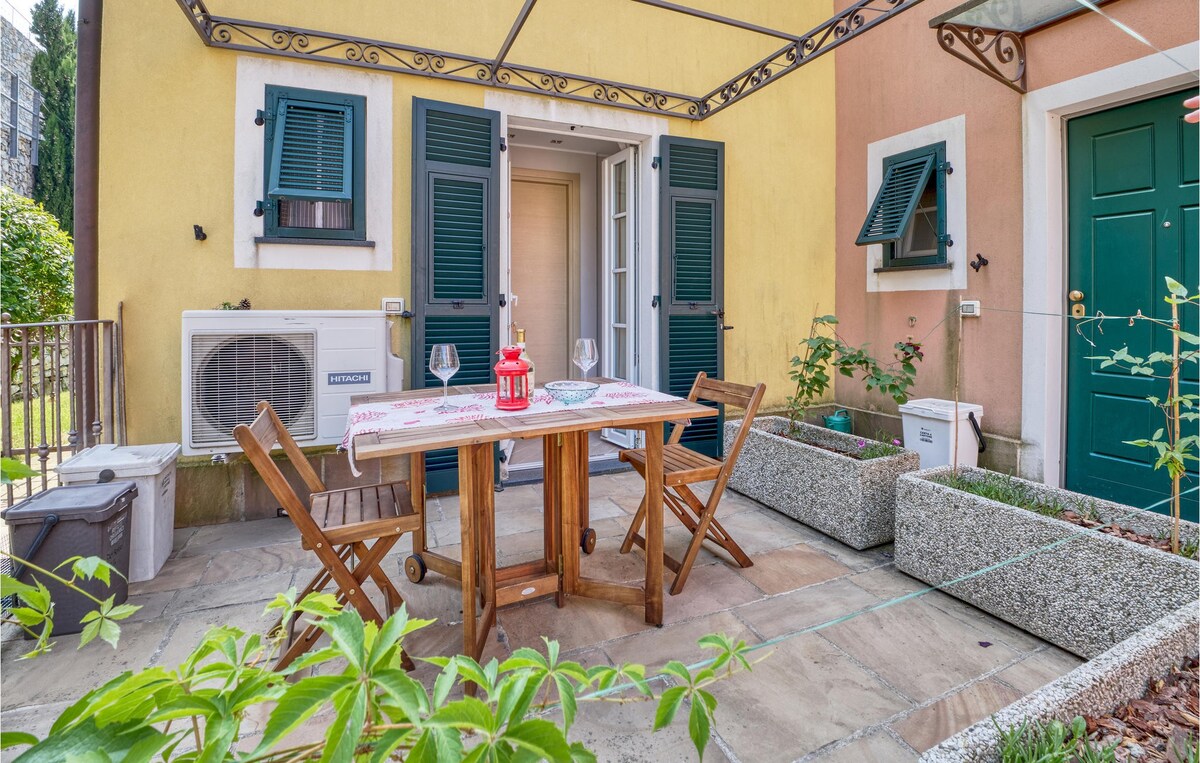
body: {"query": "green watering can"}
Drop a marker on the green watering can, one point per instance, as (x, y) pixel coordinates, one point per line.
(839, 421)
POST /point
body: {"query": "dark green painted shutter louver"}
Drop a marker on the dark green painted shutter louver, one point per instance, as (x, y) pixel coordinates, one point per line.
(312, 155)
(894, 205)
(456, 223)
(692, 198)
(459, 239)
(458, 138)
(693, 251)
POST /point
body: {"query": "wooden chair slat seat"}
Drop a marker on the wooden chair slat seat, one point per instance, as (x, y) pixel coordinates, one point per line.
(683, 466)
(350, 530)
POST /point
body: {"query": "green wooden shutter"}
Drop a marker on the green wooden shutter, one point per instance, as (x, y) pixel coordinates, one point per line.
(313, 155)
(904, 179)
(456, 234)
(692, 209)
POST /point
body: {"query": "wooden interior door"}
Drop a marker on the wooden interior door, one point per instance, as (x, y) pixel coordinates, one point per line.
(540, 271)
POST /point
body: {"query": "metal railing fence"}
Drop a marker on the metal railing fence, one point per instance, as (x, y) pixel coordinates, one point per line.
(60, 392)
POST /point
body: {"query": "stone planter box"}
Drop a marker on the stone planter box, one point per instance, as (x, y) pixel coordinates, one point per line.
(851, 499)
(1086, 594)
(1099, 687)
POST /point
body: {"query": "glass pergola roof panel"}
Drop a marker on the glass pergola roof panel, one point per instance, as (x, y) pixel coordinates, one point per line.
(1020, 16)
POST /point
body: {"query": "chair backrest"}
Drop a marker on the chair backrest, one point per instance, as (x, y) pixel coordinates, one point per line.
(257, 439)
(739, 395)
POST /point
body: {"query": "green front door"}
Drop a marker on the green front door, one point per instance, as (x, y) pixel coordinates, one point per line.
(1133, 221)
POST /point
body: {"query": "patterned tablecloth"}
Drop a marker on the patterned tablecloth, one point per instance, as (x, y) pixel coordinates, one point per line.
(421, 412)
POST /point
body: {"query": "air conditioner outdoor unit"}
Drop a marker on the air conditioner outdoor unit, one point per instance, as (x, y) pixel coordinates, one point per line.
(307, 363)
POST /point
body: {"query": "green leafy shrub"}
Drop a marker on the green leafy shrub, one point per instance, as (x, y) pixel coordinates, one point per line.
(36, 281)
(826, 354)
(374, 710)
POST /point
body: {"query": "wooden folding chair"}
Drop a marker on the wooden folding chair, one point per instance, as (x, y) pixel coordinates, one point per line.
(683, 466)
(336, 525)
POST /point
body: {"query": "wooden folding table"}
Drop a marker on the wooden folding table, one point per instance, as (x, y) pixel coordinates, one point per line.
(565, 450)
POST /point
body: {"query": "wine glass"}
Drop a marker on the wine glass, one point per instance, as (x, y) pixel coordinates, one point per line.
(585, 355)
(443, 363)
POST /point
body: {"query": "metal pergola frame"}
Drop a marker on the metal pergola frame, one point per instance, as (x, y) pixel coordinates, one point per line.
(333, 47)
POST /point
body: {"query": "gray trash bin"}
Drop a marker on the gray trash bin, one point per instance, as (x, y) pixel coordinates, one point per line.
(74, 520)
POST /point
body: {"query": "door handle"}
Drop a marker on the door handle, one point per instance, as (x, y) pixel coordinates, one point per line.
(720, 319)
(1078, 310)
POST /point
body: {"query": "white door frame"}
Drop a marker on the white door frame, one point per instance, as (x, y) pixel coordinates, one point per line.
(617, 125)
(1043, 333)
(625, 438)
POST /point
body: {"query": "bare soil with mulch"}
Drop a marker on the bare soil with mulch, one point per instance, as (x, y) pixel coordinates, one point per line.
(1161, 726)
(1162, 544)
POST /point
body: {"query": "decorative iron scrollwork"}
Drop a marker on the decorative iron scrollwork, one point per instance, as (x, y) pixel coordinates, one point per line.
(998, 53)
(308, 44)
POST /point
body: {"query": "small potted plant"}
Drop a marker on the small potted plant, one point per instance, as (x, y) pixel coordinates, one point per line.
(838, 483)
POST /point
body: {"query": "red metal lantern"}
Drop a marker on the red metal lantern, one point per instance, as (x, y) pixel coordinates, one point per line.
(512, 380)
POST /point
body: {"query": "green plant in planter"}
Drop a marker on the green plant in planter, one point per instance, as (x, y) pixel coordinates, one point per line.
(376, 711)
(826, 354)
(1053, 742)
(1174, 449)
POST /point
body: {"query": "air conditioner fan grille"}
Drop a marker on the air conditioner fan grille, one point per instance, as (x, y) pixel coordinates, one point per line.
(231, 373)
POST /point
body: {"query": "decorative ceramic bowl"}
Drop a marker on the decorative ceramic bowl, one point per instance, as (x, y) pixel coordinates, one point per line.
(569, 392)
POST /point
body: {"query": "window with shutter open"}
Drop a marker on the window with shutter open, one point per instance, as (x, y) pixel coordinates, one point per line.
(314, 154)
(908, 215)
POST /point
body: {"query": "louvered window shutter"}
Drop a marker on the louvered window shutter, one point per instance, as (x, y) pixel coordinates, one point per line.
(904, 179)
(456, 234)
(692, 198)
(314, 158)
(313, 155)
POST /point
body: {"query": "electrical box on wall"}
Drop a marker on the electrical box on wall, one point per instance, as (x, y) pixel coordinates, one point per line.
(969, 308)
(392, 305)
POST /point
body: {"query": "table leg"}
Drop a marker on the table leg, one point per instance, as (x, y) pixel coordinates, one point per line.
(654, 523)
(416, 488)
(552, 545)
(468, 495)
(572, 474)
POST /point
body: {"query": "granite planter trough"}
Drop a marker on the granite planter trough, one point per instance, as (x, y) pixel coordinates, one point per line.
(851, 499)
(1087, 593)
(1095, 688)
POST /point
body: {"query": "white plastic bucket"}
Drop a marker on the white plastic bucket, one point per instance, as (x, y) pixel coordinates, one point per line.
(929, 430)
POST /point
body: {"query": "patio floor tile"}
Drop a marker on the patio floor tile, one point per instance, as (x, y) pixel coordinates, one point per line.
(828, 697)
(710, 588)
(178, 572)
(787, 569)
(75, 671)
(918, 649)
(809, 606)
(1039, 669)
(929, 725)
(232, 536)
(582, 622)
(655, 647)
(876, 747)
(262, 588)
(229, 566)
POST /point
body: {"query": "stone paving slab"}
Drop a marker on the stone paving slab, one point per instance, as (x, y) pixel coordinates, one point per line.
(880, 686)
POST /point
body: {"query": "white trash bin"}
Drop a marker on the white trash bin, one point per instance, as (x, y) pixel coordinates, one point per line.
(929, 430)
(152, 467)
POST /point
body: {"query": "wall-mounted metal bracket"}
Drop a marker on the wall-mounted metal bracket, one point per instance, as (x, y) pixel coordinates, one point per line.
(998, 53)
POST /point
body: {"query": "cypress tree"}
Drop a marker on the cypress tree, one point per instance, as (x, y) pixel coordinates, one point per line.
(53, 73)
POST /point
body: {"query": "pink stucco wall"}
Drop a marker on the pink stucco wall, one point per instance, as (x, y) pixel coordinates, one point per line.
(895, 79)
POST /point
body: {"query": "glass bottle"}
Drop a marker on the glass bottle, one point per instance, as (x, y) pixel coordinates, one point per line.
(525, 357)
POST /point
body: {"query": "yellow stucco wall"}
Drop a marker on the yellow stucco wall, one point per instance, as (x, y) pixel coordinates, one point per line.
(167, 162)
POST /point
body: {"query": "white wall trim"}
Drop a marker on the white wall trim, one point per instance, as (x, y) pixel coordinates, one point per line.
(608, 124)
(1043, 345)
(954, 132)
(253, 75)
